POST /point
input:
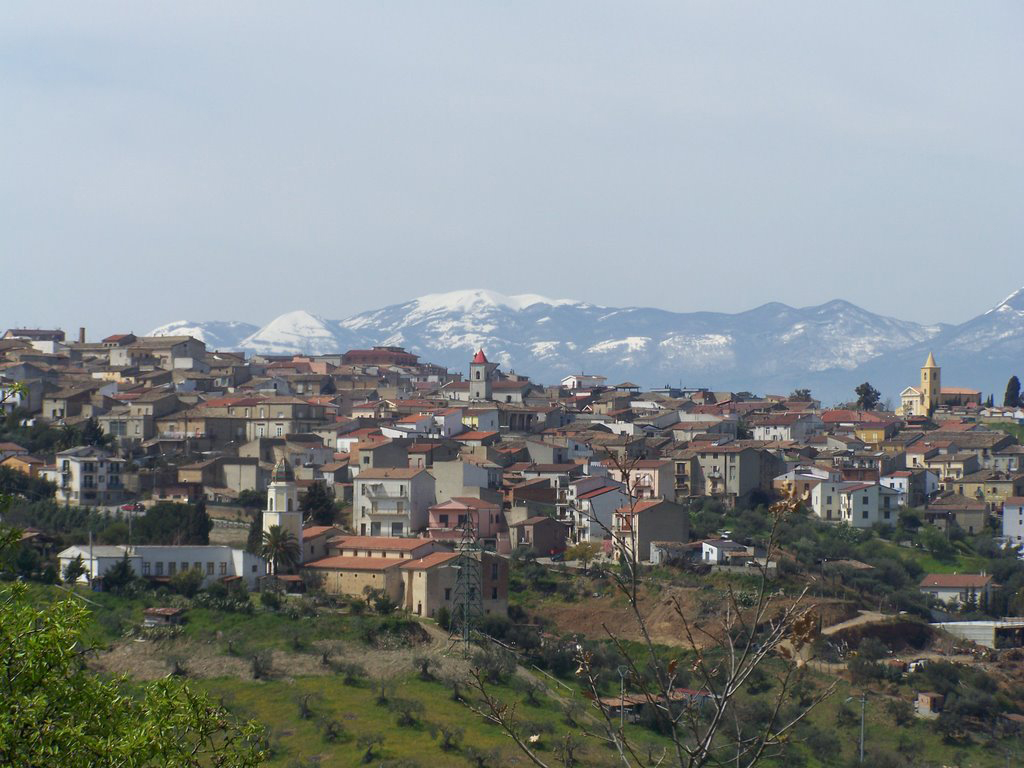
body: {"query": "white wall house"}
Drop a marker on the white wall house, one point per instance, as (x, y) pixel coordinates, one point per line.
(392, 502)
(1013, 521)
(216, 563)
(862, 505)
(87, 476)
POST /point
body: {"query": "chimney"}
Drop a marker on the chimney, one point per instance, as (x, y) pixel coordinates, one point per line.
(81, 335)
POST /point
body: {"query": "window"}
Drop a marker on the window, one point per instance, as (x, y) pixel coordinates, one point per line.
(396, 529)
(209, 568)
(828, 499)
(197, 566)
(145, 568)
(279, 430)
(184, 565)
(172, 568)
(864, 515)
(447, 594)
(494, 570)
(223, 569)
(494, 593)
(159, 568)
(366, 460)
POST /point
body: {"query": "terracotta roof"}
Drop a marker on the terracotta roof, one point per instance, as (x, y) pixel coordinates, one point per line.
(479, 357)
(343, 563)
(429, 561)
(316, 530)
(378, 543)
(955, 580)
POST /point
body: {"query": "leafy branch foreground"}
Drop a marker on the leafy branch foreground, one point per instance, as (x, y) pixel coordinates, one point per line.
(705, 725)
(56, 713)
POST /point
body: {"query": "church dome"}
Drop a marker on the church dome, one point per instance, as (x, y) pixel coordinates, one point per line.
(283, 472)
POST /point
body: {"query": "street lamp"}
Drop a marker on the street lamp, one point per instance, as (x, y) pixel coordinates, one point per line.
(863, 706)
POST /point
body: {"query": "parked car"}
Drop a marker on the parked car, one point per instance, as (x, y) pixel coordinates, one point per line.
(133, 507)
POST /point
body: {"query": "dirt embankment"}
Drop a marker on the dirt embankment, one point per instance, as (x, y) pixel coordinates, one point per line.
(150, 659)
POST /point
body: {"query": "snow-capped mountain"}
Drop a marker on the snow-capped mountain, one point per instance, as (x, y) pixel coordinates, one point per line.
(296, 332)
(216, 334)
(771, 348)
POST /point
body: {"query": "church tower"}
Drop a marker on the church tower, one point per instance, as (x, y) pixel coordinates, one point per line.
(283, 502)
(931, 385)
(480, 377)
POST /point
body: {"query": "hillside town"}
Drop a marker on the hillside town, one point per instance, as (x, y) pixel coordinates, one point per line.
(415, 451)
(374, 475)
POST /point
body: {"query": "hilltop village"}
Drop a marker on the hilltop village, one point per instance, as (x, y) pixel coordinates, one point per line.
(411, 452)
(375, 476)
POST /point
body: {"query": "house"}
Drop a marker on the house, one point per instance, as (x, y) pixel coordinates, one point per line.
(787, 426)
(27, 465)
(580, 381)
(11, 449)
(969, 514)
(450, 520)
(954, 589)
(635, 526)
(544, 535)
(1013, 521)
(862, 505)
(392, 502)
(161, 562)
(88, 476)
(588, 515)
(430, 582)
(646, 478)
(915, 486)
(717, 551)
(316, 541)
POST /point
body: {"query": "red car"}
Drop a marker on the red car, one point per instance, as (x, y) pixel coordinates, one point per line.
(136, 507)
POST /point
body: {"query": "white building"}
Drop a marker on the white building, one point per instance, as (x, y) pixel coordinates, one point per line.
(156, 561)
(87, 476)
(1013, 521)
(862, 505)
(392, 502)
(580, 381)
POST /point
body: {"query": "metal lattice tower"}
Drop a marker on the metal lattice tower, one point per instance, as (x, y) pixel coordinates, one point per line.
(467, 602)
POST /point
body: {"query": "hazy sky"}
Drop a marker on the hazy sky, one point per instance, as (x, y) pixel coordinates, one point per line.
(176, 160)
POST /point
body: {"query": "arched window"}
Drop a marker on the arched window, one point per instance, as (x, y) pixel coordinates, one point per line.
(289, 503)
(271, 503)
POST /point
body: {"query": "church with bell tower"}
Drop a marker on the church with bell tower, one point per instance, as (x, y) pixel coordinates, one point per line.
(283, 502)
(925, 398)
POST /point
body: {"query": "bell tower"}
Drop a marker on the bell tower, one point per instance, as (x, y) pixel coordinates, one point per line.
(931, 385)
(283, 502)
(480, 377)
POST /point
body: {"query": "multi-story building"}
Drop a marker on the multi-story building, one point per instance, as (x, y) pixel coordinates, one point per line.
(87, 476)
(635, 526)
(392, 502)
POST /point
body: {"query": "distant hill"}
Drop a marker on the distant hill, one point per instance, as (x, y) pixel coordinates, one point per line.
(774, 348)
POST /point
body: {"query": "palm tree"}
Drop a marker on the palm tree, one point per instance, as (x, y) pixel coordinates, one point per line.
(280, 547)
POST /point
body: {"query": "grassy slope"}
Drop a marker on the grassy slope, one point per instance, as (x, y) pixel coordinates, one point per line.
(275, 702)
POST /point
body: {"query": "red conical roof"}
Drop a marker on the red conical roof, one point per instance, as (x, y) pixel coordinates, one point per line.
(480, 357)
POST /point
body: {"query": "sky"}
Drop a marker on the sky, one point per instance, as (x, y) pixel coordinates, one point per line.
(215, 161)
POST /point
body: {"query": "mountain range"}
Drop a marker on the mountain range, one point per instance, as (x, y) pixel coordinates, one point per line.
(773, 348)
